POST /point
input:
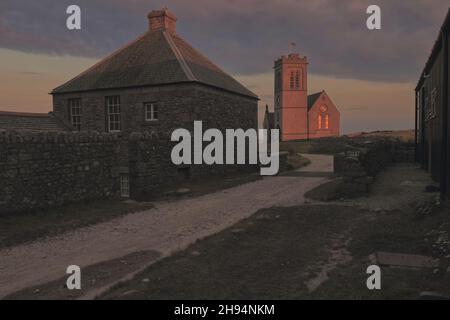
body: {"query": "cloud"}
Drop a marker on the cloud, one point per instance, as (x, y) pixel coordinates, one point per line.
(243, 36)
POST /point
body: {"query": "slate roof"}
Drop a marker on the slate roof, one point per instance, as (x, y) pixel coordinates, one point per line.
(30, 121)
(156, 58)
(312, 98)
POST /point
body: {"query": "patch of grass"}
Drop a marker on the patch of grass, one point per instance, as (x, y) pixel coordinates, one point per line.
(406, 136)
(296, 161)
(294, 147)
(268, 256)
(24, 227)
(329, 191)
(399, 232)
(274, 253)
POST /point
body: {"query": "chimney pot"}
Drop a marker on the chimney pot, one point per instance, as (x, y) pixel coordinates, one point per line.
(162, 20)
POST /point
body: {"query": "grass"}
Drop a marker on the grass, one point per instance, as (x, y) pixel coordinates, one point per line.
(268, 256)
(400, 232)
(24, 227)
(295, 147)
(274, 253)
(296, 161)
(406, 136)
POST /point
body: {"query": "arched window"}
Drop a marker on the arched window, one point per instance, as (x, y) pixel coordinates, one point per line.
(324, 121)
(292, 80)
(297, 79)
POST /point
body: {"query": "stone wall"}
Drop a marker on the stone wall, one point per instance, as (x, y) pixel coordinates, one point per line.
(48, 169)
(361, 162)
(39, 170)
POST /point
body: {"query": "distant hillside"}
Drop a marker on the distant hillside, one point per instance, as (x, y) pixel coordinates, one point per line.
(403, 135)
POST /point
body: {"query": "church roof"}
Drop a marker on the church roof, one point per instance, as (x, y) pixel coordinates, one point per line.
(312, 98)
(30, 121)
(158, 57)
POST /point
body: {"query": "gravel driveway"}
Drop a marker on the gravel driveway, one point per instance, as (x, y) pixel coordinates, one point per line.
(168, 227)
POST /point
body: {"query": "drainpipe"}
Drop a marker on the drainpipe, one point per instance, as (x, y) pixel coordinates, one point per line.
(445, 113)
(416, 154)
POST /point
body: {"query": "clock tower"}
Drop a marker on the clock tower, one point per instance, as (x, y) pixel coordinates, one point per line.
(291, 97)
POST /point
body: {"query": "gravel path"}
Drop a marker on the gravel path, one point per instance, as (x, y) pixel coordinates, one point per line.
(168, 227)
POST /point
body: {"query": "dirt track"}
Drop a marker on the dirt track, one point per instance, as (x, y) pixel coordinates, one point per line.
(167, 228)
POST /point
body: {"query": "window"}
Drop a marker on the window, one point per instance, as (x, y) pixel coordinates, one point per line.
(297, 79)
(292, 80)
(151, 111)
(324, 121)
(112, 105)
(75, 113)
(124, 186)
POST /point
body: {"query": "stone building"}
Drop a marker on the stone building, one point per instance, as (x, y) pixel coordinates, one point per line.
(297, 114)
(109, 134)
(156, 83)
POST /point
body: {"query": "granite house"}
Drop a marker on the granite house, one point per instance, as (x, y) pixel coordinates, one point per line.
(111, 125)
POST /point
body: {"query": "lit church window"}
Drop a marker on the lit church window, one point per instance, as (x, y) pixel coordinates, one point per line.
(324, 121)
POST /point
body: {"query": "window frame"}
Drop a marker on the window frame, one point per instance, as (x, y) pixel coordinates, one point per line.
(154, 110)
(324, 121)
(113, 113)
(75, 118)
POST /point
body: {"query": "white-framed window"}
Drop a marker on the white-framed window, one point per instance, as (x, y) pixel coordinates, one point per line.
(112, 105)
(124, 185)
(75, 113)
(151, 111)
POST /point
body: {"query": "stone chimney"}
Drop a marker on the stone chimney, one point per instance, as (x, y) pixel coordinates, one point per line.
(162, 20)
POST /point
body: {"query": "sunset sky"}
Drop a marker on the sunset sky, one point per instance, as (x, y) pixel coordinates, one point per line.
(370, 75)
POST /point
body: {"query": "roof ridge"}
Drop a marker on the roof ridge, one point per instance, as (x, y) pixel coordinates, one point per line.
(179, 56)
(197, 51)
(24, 114)
(125, 46)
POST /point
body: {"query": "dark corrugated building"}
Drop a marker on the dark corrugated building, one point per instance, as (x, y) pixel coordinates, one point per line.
(432, 114)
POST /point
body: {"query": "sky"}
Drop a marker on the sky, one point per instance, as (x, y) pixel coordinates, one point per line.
(370, 75)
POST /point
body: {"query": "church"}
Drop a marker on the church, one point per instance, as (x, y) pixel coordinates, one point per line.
(300, 116)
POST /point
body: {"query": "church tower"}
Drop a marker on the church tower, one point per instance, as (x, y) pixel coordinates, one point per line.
(291, 97)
